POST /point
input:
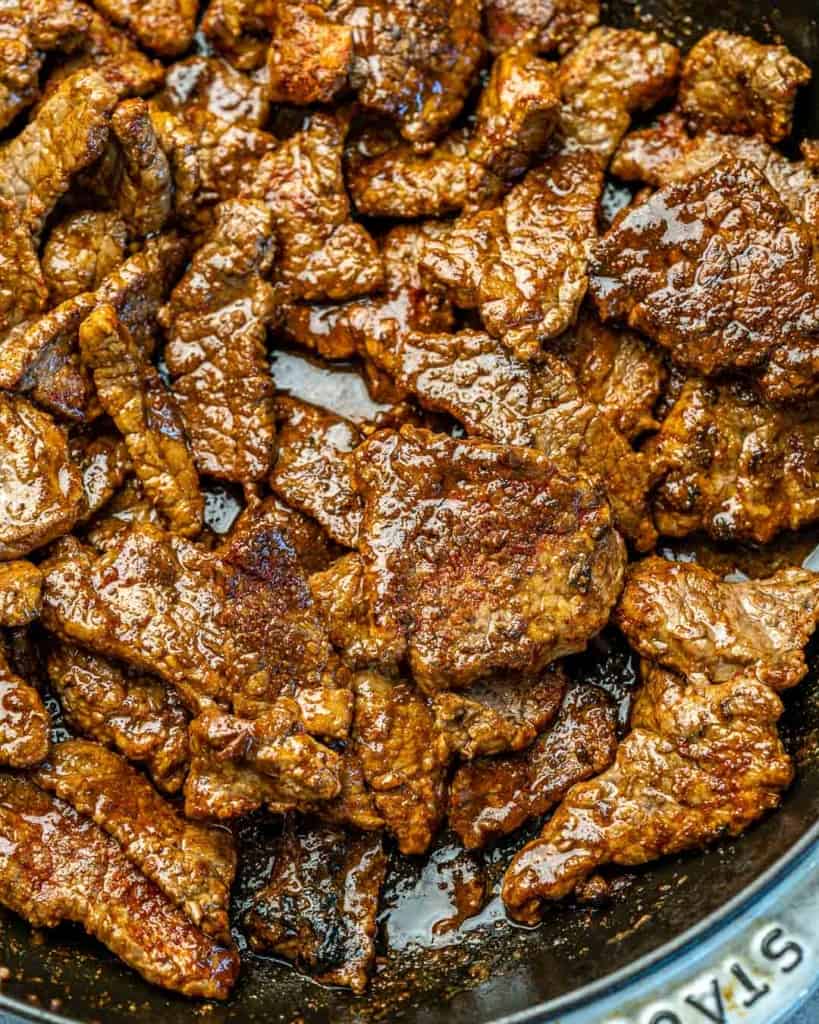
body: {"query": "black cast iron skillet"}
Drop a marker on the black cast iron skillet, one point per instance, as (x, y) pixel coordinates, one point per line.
(577, 954)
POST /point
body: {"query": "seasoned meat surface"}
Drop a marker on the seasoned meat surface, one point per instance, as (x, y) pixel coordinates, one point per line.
(213, 84)
(239, 765)
(239, 30)
(20, 593)
(310, 55)
(23, 286)
(133, 712)
(736, 467)
(81, 251)
(557, 24)
(496, 715)
(403, 756)
(718, 272)
(131, 391)
(609, 75)
(41, 493)
(484, 559)
(492, 796)
(67, 135)
(24, 721)
(617, 370)
(523, 263)
(104, 463)
(413, 60)
(192, 864)
(474, 378)
(664, 153)
(319, 907)
(314, 472)
(216, 323)
(57, 866)
(734, 84)
(164, 26)
(703, 757)
(324, 253)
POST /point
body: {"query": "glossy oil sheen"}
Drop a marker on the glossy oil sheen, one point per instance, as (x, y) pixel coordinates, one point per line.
(493, 969)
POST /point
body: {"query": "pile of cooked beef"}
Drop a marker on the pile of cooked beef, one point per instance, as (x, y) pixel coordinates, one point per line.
(375, 650)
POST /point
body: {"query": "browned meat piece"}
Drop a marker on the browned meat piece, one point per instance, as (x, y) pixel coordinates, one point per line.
(690, 621)
(481, 558)
(616, 370)
(23, 287)
(278, 642)
(355, 804)
(736, 467)
(309, 56)
(20, 593)
(314, 471)
(239, 30)
(413, 60)
(664, 153)
(703, 758)
(216, 86)
(131, 391)
(717, 271)
(340, 594)
(56, 865)
(41, 494)
(104, 463)
(216, 324)
(324, 253)
(164, 26)
(153, 600)
(81, 251)
(474, 378)
(734, 84)
(24, 721)
(498, 714)
(517, 112)
(210, 159)
(409, 303)
(133, 712)
(110, 52)
(558, 24)
(127, 507)
(68, 134)
(314, 549)
(238, 765)
(809, 148)
(515, 117)
(493, 796)
(400, 182)
(403, 756)
(133, 174)
(135, 289)
(29, 29)
(320, 907)
(193, 865)
(611, 74)
(523, 264)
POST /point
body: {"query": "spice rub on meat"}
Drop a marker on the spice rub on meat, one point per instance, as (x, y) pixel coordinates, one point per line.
(57, 865)
(492, 796)
(24, 721)
(133, 712)
(558, 25)
(310, 54)
(319, 909)
(703, 758)
(324, 253)
(192, 864)
(216, 322)
(314, 472)
(718, 271)
(734, 84)
(523, 264)
(735, 466)
(494, 395)
(482, 558)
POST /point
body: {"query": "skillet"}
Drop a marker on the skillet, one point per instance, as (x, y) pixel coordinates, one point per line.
(495, 969)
